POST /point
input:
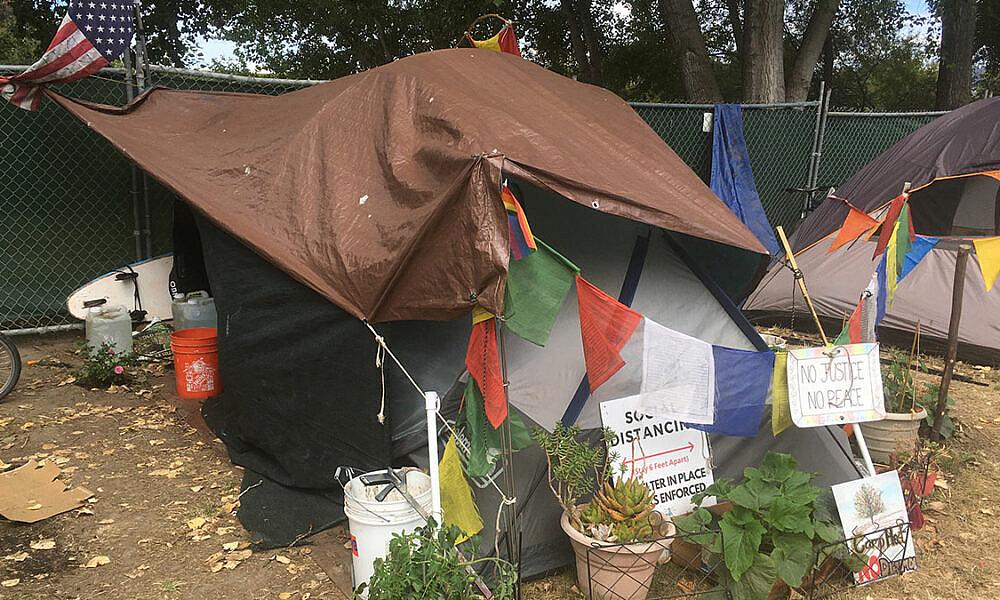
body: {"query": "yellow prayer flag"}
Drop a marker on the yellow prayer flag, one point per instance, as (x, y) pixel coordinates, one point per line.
(457, 502)
(492, 43)
(781, 415)
(480, 314)
(988, 253)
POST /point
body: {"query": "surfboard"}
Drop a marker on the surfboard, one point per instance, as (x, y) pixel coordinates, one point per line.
(152, 276)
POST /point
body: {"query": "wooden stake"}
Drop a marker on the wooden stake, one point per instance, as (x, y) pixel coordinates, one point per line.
(958, 289)
(802, 282)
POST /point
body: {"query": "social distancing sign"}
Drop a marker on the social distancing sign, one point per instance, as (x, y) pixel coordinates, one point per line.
(672, 459)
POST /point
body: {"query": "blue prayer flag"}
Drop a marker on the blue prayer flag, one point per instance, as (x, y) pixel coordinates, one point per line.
(742, 383)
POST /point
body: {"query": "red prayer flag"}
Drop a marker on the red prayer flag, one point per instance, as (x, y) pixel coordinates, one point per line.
(605, 325)
(482, 359)
(889, 222)
(855, 225)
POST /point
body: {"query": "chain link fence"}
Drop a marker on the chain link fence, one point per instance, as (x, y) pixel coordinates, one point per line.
(70, 209)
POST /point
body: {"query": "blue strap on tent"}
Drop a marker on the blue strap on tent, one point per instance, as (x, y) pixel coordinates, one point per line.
(627, 295)
(742, 382)
(732, 178)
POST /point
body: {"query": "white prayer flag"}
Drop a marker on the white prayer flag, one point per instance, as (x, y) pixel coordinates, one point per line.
(678, 376)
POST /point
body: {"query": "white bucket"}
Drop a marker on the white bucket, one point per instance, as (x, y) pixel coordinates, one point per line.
(372, 523)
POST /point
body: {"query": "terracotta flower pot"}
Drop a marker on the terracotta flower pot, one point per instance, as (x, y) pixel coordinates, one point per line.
(608, 571)
(896, 432)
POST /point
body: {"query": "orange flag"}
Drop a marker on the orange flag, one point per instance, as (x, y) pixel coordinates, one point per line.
(889, 223)
(482, 359)
(855, 225)
(605, 324)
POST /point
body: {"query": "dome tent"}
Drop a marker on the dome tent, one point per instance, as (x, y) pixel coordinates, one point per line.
(376, 198)
(953, 166)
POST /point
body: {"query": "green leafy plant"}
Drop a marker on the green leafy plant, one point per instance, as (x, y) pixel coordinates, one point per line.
(898, 383)
(928, 400)
(103, 367)
(620, 509)
(574, 467)
(780, 526)
(425, 564)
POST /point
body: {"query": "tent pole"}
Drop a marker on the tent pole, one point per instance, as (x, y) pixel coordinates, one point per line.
(802, 282)
(958, 290)
(431, 403)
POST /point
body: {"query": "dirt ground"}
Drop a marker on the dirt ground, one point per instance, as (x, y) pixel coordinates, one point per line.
(161, 522)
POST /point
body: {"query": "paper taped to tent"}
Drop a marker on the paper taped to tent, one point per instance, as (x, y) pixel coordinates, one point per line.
(953, 165)
(377, 198)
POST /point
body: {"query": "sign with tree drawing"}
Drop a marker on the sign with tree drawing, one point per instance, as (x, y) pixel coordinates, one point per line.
(876, 525)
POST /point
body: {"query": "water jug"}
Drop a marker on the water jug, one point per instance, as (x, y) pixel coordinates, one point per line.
(196, 309)
(110, 325)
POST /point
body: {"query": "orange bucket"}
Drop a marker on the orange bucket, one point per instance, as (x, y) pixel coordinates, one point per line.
(196, 362)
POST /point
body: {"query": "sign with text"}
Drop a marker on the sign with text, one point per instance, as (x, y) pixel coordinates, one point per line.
(672, 459)
(835, 385)
(876, 526)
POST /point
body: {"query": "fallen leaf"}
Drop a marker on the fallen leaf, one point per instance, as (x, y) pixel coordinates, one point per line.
(85, 511)
(286, 595)
(106, 522)
(10, 582)
(216, 567)
(19, 557)
(196, 522)
(936, 506)
(241, 555)
(282, 559)
(43, 545)
(986, 511)
(197, 488)
(35, 506)
(941, 483)
(230, 546)
(231, 564)
(97, 561)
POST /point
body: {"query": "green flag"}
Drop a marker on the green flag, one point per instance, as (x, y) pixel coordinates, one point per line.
(537, 285)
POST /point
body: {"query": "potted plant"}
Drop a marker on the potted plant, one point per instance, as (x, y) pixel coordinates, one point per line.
(898, 431)
(614, 535)
(778, 534)
(425, 563)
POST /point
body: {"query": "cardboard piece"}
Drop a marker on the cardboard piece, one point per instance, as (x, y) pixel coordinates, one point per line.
(32, 492)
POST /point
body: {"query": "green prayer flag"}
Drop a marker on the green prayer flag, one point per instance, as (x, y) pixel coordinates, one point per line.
(537, 286)
(484, 440)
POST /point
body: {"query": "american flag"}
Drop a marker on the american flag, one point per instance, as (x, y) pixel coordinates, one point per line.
(91, 35)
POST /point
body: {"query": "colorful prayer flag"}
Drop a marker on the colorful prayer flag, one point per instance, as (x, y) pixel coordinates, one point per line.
(988, 253)
(482, 359)
(537, 286)
(855, 225)
(891, 267)
(457, 503)
(504, 41)
(480, 314)
(605, 325)
(888, 223)
(851, 333)
(781, 414)
(522, 242)
(742, 382)
(921, 248)
(880, 278)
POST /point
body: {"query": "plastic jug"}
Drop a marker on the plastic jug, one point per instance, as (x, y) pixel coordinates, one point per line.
(109, 325)
(196, 309)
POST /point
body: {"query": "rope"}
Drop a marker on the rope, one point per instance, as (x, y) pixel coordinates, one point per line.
(380, 365)
(505, 500)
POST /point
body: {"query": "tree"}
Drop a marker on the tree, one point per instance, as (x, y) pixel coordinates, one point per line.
(868, 502)
(799, 78)
(700, 84)
(958, 44)
(16, 47)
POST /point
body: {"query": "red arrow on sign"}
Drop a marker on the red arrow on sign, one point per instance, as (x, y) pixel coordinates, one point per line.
(689, 447)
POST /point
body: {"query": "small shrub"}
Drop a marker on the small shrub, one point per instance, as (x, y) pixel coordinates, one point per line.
(103, 367)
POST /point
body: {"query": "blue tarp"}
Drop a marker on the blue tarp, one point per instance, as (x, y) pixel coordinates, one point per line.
(732, 177)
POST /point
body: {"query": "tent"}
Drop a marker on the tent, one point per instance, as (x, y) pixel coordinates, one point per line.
(375, 200)
(953, 165)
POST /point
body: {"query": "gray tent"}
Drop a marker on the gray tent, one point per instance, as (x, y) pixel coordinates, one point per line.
(953, 164)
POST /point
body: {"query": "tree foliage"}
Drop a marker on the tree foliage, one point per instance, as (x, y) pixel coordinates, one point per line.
(868, 51)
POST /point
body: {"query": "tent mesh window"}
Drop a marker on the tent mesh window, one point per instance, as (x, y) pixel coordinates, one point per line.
(960, 207)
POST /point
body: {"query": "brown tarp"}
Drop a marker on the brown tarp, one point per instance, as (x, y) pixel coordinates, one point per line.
(381, 190)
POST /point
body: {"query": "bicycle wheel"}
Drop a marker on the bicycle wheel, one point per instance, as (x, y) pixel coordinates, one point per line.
(10, 366)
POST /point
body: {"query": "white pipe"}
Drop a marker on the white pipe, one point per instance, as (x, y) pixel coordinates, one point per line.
(864, 449)
(432, 403)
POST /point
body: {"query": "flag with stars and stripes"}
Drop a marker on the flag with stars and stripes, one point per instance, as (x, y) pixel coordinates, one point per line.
(91, 35)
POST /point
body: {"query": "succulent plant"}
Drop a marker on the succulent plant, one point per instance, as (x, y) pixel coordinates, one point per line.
(627, 506)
